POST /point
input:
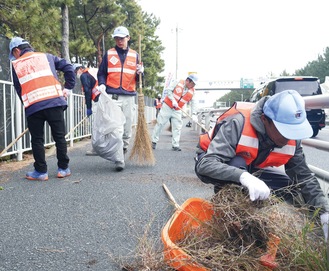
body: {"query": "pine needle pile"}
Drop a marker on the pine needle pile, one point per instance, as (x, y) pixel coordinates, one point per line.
(238, 235)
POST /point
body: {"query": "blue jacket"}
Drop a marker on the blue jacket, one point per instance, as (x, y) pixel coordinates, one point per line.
(56, 64)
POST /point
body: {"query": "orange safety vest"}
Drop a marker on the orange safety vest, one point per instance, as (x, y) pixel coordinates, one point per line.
(158, 103)
(93, 72)
(119, 75)
(248, 143)
(179, 97)
(36, 78)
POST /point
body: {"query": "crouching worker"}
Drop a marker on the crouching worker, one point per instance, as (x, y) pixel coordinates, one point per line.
(250, 141)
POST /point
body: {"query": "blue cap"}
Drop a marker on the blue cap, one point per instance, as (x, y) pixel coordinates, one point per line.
(15, 42)
(193, 77)
(120, 32)
(287, 110)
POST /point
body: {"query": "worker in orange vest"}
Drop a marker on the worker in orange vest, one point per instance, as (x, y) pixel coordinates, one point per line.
(158, 104)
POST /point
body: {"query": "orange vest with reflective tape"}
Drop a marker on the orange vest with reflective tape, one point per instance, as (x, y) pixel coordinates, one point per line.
(179, 97)
(158, 103)
(93, 72)
(37, 80)
(248, 143)
(121, 75)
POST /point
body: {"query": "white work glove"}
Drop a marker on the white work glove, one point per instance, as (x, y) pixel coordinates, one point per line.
(67, 92)
(140, 68)
(174, 103)
(324, 222)
(195, 118)
(102, 88)
(258, 190)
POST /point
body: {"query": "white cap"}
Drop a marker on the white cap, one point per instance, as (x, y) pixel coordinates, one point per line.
(76, 66)
(193, 77)
(287, 111)
(120, 32)
(15, 42)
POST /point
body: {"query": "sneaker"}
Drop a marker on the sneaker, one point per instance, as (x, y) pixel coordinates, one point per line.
(37, 176)
(119, 165)
(154, 145)
(91, 153)
(176, 149)
(61, 173)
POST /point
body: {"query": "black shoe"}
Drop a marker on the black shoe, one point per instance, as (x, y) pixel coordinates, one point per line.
(119, 166)
(176, 149)
(125, 150)
(154, 145)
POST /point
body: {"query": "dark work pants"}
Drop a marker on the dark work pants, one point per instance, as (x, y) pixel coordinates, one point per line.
(36, 122)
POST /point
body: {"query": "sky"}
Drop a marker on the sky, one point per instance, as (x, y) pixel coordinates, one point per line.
(233, 39)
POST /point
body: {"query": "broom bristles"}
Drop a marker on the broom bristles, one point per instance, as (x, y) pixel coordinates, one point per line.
(142, 152)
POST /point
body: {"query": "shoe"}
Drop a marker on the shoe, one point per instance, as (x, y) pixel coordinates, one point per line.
(91, 153)
(176, 149)
(119, 165)
(125, 150)
(37, 176)
(61, 173)
(154, 145)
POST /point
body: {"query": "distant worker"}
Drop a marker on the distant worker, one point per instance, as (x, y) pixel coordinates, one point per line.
(38, 87)
(158, 104)
(88, 78)
(118, 75)
(179, 93)
(248, 144)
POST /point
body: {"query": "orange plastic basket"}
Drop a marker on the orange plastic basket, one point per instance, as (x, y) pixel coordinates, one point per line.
(189, 216)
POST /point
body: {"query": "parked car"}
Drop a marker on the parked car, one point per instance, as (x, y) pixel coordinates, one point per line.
(305, 85)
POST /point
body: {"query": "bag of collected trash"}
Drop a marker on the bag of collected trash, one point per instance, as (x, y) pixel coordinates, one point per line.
(107, 129)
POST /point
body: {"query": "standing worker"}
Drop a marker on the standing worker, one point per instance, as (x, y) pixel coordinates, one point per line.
(250, 141)
(158, 104)
(38, 87)
(179, 93)
(88, 78)
(118, 75)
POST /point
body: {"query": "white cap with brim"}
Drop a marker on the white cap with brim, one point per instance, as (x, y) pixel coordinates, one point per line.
(287, 111)
(15, 42)
(120, 32)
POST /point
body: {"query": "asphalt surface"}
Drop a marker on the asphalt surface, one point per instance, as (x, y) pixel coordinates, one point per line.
(94, 219)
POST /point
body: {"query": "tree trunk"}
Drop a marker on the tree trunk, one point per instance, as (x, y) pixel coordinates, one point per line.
(65, 32)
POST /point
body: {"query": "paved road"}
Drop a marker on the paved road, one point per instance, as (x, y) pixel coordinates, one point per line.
(83, 221)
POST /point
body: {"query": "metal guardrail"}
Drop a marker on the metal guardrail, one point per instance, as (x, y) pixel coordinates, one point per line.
(13, 124)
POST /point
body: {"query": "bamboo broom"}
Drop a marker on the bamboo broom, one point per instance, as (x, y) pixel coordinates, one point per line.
(142, 152)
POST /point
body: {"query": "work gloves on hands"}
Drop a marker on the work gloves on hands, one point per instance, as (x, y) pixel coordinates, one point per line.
(102, 88)
(174, 103)
(258, 190)
(67, 92)
(324, 222)
(139, 68)
(89, 112)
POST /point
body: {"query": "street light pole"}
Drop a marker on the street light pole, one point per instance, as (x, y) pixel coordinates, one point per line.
(176, 51)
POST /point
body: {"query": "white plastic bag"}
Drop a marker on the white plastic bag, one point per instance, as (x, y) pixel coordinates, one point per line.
(108, 129)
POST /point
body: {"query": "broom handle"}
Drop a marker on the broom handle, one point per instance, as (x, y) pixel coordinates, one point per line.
(193, 120)
(172, 199)
(75, 126)
(140, 61)
(14, 141)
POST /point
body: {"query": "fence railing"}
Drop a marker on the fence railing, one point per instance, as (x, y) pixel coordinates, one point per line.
(13, 122)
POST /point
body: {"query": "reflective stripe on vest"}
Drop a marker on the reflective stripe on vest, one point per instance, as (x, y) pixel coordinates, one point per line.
(94, 92)
(179, 97)
(248, 143)
(36, 78)
(121, 75)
